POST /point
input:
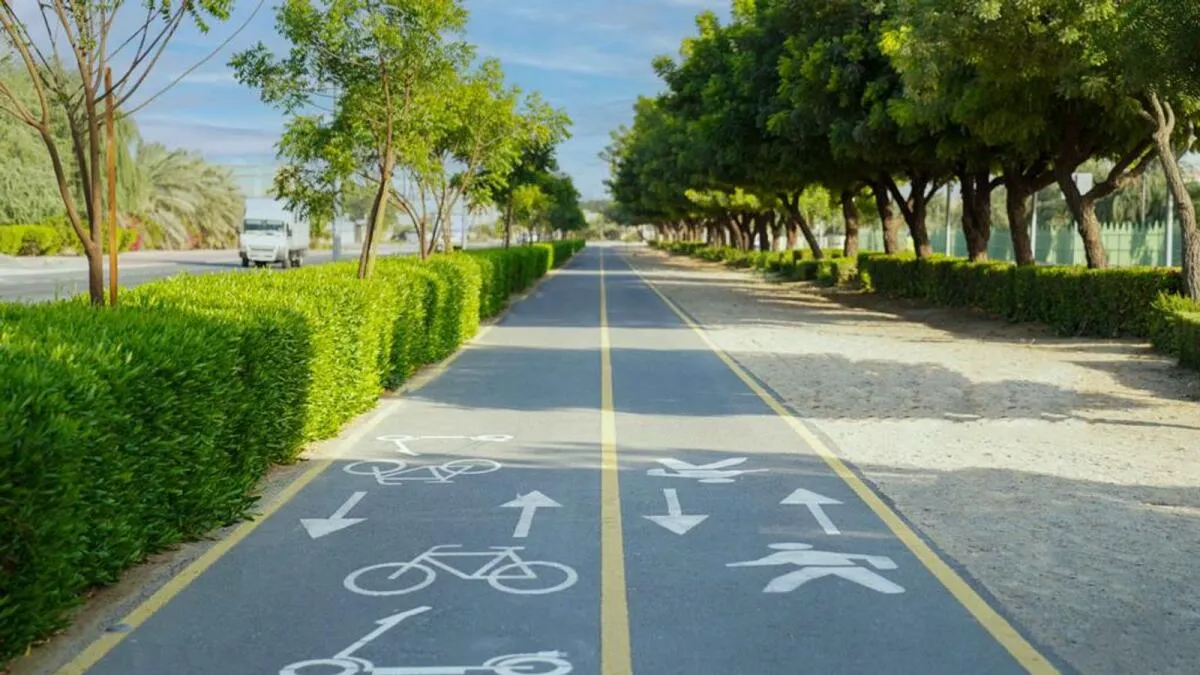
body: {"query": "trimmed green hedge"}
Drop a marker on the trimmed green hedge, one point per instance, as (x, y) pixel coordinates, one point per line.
(50, 238)
(1073, 300)
(797, 265)
(1175, 328)
(125, 431)
(29, 240)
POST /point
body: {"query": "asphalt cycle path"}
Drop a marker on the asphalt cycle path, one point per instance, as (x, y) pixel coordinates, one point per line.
(589, 488)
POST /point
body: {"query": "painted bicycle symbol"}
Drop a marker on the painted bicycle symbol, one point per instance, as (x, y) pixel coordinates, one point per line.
(346, 663)
(398, 472)
(503, 568)
(401, 441)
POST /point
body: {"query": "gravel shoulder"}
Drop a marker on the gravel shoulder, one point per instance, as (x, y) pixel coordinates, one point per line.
(1062, 474)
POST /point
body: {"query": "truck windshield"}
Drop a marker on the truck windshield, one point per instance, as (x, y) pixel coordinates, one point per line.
(263, 226)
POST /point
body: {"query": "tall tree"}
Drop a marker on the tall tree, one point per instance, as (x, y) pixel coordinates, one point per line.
(359, 80)
(1157, 56)
(66, 66)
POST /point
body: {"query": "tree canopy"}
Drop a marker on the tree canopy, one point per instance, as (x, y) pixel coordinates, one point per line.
(897, 97)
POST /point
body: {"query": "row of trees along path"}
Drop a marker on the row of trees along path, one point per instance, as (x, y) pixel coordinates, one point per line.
(882, 103)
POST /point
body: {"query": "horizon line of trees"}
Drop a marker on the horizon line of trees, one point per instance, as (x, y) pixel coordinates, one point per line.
(794, 106)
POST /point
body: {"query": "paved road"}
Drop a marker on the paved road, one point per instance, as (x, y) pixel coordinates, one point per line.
(37, 280)
(589, 489)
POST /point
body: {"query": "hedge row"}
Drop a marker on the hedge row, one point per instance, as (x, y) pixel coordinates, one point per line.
(29, 240)
(796, 265)
(1114, 302)
(128, 430)
(1119, 302)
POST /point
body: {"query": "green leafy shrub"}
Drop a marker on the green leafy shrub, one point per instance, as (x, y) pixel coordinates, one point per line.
(1189, 339)
(1073, 300)
(29, 240)
(122, 432)
(128, 430)
(461, 304)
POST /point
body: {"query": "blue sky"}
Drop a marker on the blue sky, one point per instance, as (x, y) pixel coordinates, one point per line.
(590, 57)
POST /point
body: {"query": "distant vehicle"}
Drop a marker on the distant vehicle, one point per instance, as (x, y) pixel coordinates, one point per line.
(271, 234)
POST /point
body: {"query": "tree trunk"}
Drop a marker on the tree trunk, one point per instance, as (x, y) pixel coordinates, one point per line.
(1083, 207)
(792, 234)
(745, 232)
(977, 213)
(366, 259)
(1164, 118)
(1020, 219)
(887, 219)
(508, 209)
(777, 229)
(732, 232)
(850, 216)
(95, 260)
(792, 204)
(914, 209)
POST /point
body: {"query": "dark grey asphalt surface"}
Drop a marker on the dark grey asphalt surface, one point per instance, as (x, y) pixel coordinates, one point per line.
(283, 602)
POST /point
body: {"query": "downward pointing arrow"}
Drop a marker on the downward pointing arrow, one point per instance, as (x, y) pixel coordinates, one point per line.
(814, 502)
(675, 521)
(529, 504)
(319, 527)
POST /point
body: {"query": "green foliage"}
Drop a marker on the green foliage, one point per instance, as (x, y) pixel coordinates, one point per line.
(1175, 328)
(128, 430)
(121, 432)
(29, 240)
(1073, 300)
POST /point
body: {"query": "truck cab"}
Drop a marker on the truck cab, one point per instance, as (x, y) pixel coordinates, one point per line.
(271, 234)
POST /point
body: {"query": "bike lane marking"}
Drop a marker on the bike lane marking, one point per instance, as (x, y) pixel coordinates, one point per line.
(1003, 632)
(615, 652)
(99, 647)
(140, 614)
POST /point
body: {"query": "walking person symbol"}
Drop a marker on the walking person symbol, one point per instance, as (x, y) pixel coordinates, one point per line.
(815, 564)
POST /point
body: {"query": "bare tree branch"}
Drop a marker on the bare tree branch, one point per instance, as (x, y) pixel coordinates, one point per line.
(199, 63)
(158, 46)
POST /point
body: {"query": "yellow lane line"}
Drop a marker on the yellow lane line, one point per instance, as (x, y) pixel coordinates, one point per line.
(615, 658)
(1004, 633)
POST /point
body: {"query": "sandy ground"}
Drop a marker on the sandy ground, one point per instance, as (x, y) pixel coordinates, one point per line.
(1062, 474)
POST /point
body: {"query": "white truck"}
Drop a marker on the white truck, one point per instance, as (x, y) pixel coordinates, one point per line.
(271, 234)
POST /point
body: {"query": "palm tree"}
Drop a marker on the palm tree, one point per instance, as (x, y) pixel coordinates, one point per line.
(178, 200)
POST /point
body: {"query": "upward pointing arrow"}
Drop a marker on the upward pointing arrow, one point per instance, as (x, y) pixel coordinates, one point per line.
(529, 504)
(814, 502)
(675, 521)
(319, 527)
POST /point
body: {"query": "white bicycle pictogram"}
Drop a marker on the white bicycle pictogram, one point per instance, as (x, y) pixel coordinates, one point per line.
(401, 441)
(503, 569)
(346, 663)
(398, 472)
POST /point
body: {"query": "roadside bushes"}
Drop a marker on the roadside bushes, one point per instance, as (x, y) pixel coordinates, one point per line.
(1175, 328)
(29, 240)
(124, 431)
(1072, 300)
(1119, 302)
(50, 238)
(121, 432)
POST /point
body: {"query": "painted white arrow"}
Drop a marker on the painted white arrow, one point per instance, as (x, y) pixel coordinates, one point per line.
(319, 527)
(815, 503)
(529, 504)
(675, 521)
